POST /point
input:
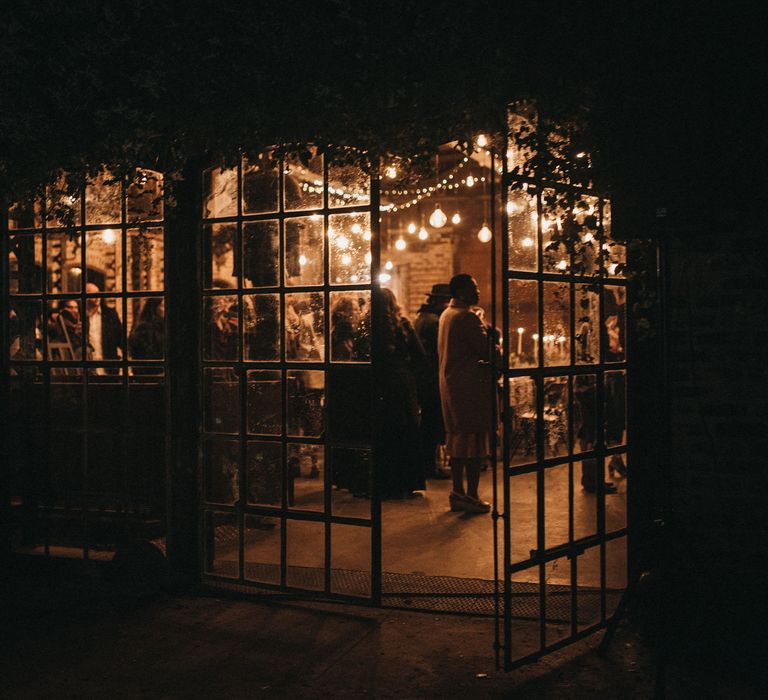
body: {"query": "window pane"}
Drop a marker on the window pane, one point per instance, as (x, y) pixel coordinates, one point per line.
(265, 401)
(521, 230)
(306, 477)
(221, 263)
(558, 599)
(265, 473)
(25, 264)
(615, 408)
(146, 260)
(351, 560)
(261, 251)
(584, 412)
(585, 216)
(222, 400)
(262, 327)
(522, 513)
(64, 263)
(557, 324)
(222, 544)
(144, 197)
(615, 252)
(556, 515)
(65, 330)
(555, 213)
(303, 180)
(260, 179)
(219, 193)
(348, 185)
(523, 324)
(305, 552)
(349, 238)
(615, 314)
(221, 471)
(104, 259)
(262, 549)
(25, 330)
(555, 416)
(103, 327)
(587, 318)
(351, 326)
(521, 127)
(522, 413)
(62, 207)
(222, 327)
(103, 199)
(306, 396)
(304, 246)
(304, 327)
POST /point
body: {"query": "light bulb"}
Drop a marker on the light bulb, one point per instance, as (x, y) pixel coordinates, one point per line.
(512, 208)
(527, 242)
(385, 277)
(423, 234)
(108, 236)
(346, 259)
(470, 181)
(400, 243)
(391, 172)
(302, 259)
(356, 228)
(535, 336)
(388, 265)
(437, 219)
(342, 242)
(482, 140)
(521, 330)
(456, 219)
(484, 234)
(411, 228)
(562, 265)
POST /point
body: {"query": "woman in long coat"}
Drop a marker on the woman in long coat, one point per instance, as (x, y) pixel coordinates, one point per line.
(467, 392)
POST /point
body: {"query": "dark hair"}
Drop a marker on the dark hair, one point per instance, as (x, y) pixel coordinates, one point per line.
(460, 283)
(392, 317)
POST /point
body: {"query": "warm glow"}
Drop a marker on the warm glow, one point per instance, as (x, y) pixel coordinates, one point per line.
(423, 234)
(546, 224)
(562, 265)
(482, 140)
(588, 237)
(388, 265)
(108, 236)
(391, 172)
(612, 268)
(353, 278)
(342, 242)
(400, 243)
(470, 181)
(561, 339)
(346, 259)
(456, 219)
(437, 219)
(535, 336)
(302, 259)
(368, 258)
(484, 234)
(411, 228)
(367, 236)
(75, 271)
(521, 330)
(581, 154)
(512, 208)
(356, 228)
(385, 277)
(527, 242)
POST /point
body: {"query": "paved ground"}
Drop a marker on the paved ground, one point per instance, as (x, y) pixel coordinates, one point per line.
(71, 637)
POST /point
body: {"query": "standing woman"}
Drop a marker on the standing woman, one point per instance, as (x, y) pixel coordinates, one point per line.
(403, 367)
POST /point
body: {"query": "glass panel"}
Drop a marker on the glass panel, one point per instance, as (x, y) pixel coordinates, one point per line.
(351, 560)
(615, 314)
(588, 591)
(260, 184)
(146, 320)
(262, 327)
(348, 185)
(555, 212)
(26, 214)
(104, 259)
(62, 207)
(348, 388)
(521, 126)
(351, 326)
(261, 254)
(615, 252)
(349, 238)
(523, 324)
(103, 199)
(555, 416)
(584, 500)
(351, 478)
(265, 402)
(304, 327)
(103, 326)
(556, 509)
(303, 180)
(306, 477)
(64, 263)
(222, 544)
(222, 400)
(584, 412)
(146, 260)
(222, 327)
(558, 600)
(615, 572)
(557, 324)
(222, 479)
(265, 473)
(522, 230)
(262, 549)
(306, 398)
(615, 408)
(305, 554)
(522, 511)
(25, 330)
(585, 213)
(522, 413)
(616, 503)
(25, 264)
(144, 197)
(219, 193)
(221, 265)
(304, 248)
(587, 319)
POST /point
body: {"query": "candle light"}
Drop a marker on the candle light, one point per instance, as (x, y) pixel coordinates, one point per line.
(520, 332)
(535, 337)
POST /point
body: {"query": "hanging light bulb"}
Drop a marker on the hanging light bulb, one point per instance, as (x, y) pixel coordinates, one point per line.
(437, 219)
(400, 243)
(388, 265)
(456, 219)
(411, 228)
(527, 242)
(470, 181)
(484, 234)
(391, 172)
(562, 265)
(423, 233)
(108, 236)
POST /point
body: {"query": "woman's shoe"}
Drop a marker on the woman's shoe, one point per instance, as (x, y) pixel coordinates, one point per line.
(475, 505)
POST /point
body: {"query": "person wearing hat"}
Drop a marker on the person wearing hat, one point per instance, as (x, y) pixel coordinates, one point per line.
(432, 429)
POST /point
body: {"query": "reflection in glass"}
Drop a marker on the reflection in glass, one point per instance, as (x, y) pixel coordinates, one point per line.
(615, 310)
(104, 259)
(554, 215)
(64, 263)
(262, 549)
(221, 471)
(614, 252)
(25, 330)
(523, 323)
(265, 473)
(587, 318)
(306, 469)
(222, 326)
(261, 313)
(305, 554)
(144, 197)
(521, 230)
(304, 248)
(265, 402)
(584, 412)
(347, 185)
(261, 251)
(555, 416)
(103, 199)
(585, 216)
(221, 264)
(25, 264)
(145, 260)
(222, 551)
(557, 324)
(306, 396)
(349, 238)
(351, 326)
(222, 400)
(303, 180)
(103, 326)
(304, 327)
(219, 193)
(65, 330)
(260, 184)
(522, 404)
(615, 408)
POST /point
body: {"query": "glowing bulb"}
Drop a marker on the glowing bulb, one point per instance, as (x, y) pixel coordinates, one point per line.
(456, 219)
(356, 228)
(484, 234)
(388, 265)
(470, 181)
(437, 219)
(367, 258)
(346, 259)
(411, 228)
(482, 140)
(588, 237)
(423, 234)
(521, 330)
(342, 242)
(535, 336)
(581, 154)
(562, 265)
(391, 172)
(527, 242)
(385, 277)
(108, 236)
(512, 208)
(75, 271)
(302, 259)
(400, 243)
